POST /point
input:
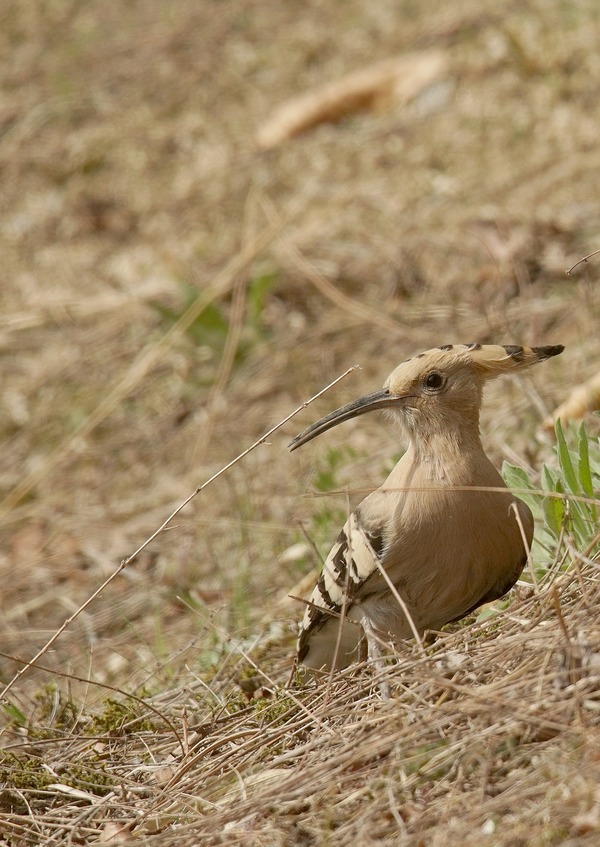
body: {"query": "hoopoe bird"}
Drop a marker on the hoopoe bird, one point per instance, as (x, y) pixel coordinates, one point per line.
(443, 534)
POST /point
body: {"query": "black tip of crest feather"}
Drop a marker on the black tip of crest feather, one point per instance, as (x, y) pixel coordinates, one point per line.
(548, 352)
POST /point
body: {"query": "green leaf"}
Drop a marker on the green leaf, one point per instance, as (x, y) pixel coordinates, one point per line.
(595, 464)
(517, 479)
(549, 479)
(554, 514)
(584, 466)
(487, 613)
(14, 714)
(258, 289)
(564, 459)
(209, 326)
(580, 521)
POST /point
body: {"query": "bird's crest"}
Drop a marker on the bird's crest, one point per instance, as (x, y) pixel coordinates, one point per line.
(490, 360)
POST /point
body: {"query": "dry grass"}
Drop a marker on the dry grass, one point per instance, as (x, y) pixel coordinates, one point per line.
(494, 730)
(169, 293)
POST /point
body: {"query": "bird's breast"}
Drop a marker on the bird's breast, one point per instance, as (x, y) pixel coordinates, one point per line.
(448, 549)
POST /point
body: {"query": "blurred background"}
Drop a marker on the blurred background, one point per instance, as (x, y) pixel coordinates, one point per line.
(211, 209)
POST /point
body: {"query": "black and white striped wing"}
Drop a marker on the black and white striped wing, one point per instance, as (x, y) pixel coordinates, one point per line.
(350, 563)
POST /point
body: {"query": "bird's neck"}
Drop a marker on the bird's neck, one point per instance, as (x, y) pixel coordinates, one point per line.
(452, 453)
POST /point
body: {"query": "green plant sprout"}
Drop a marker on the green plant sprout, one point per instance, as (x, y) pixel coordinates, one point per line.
(565, 503)
(211, 327)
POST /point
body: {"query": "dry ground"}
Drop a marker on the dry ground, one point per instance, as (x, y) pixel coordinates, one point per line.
(131, 186)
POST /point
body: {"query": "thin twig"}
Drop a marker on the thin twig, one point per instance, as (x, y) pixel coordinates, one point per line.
(401, 603)
(233, 462)
(125, 562)
(341, 623)
(582, 261)
(559, 615)
(514, 508)
(105, 686)
(357, 309)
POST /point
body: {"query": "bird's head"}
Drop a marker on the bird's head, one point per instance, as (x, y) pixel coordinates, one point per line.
(435, 388)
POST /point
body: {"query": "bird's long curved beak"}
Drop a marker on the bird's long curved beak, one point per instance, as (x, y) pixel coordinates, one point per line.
(381, 399)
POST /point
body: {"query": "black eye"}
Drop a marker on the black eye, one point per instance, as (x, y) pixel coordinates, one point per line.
(433, 380)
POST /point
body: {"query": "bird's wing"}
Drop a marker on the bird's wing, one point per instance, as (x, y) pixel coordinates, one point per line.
(510, 573)
(498, 590)
(351, 562)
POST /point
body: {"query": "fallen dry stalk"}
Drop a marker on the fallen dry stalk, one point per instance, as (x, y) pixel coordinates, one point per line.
(125, 562)
(355, 308)
(393, 81)
(584, 398)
